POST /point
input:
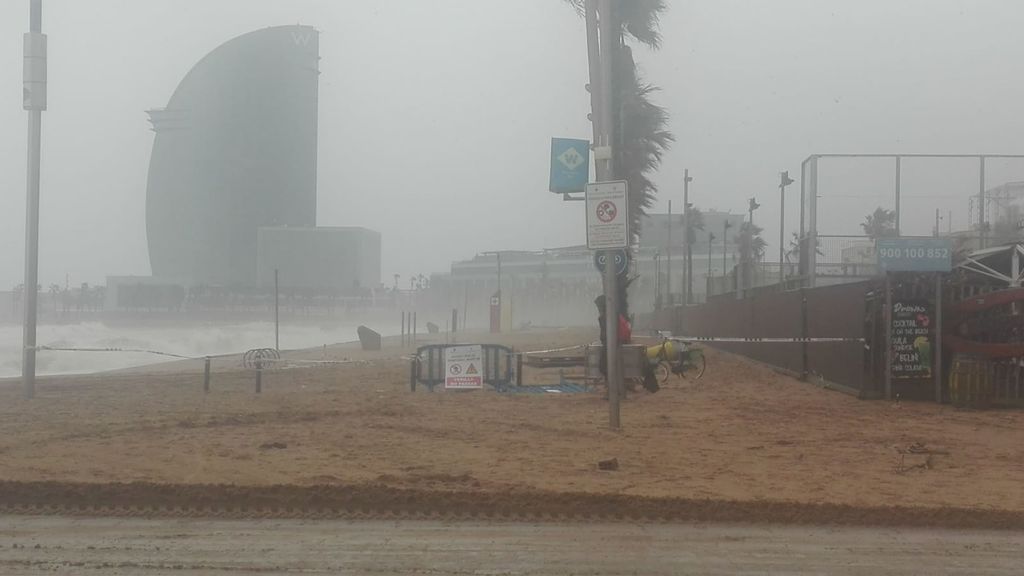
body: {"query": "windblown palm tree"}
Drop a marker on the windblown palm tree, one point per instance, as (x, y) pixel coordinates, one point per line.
(639, 126)
(751, 245)
(55, 290)
(880, 224)
(696, 218)
(793, 253)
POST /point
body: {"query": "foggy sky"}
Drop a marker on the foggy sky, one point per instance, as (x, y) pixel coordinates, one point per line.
(435, 117)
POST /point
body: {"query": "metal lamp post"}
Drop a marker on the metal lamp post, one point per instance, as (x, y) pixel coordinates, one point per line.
(725, 239)
(668, 254)
(35, 104)
(711, 240)
(688, 254)
(784, 180)
(657, 280)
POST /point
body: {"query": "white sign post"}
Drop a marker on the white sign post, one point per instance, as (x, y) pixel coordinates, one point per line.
(464, 368)
(607, 216)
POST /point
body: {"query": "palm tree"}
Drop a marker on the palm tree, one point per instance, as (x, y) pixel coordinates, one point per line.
(55, 289)
(793, 253)
(751, 248)
(880, 224)
(640, 135)
(751, 245)
(696, 222)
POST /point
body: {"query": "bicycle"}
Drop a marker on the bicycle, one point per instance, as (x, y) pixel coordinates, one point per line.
(676, 356)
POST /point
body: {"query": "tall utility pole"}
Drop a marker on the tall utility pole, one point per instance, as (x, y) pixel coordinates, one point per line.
(742, 272)
(668, 253)
(725, 241)
(277, 312)
(600, 41)
(981, 202)
(498, 256)
(711, 239)
(784, 180)
(657, 280)
(686, 237)
(35, 103)
(899, 195)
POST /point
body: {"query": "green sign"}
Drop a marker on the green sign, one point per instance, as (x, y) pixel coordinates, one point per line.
(914, 254)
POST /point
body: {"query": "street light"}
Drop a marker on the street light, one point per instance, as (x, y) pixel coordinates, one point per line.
(784, 180)
(657, 280)
(725, 248)
(35, 103)
(711, 240)
(497, 256)
(668, 255)
(688, 254)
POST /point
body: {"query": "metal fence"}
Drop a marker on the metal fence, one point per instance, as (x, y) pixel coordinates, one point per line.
(826, 324)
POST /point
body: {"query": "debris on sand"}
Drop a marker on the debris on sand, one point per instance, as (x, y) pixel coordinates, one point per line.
(612, 464)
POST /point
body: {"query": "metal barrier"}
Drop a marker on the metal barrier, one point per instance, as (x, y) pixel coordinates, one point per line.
(257, 359)
(428, 367)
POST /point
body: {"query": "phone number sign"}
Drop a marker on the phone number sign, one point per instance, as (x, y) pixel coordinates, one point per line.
(915, 254)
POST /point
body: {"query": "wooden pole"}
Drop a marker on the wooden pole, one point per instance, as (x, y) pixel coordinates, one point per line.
(206, 376)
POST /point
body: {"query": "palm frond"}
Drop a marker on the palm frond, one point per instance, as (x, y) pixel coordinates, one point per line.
(578, 5)
(639, 19)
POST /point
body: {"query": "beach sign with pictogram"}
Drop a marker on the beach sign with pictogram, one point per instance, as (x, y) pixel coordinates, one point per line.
(461, 367)
(607, 216)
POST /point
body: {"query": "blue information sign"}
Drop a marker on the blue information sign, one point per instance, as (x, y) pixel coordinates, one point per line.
(570, 165)
(915, 254)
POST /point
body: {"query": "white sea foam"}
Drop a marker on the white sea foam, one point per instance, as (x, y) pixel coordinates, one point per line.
(187, 340)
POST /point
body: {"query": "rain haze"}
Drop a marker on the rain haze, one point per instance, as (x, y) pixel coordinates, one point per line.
(512, 286)
(435, 118)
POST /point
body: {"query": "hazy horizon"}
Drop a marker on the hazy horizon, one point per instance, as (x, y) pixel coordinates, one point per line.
(435, 118)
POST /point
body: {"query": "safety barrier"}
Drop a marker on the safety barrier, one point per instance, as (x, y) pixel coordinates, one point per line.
(428, 366)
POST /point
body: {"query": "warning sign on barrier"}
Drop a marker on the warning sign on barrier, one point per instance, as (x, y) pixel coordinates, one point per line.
(461, 367)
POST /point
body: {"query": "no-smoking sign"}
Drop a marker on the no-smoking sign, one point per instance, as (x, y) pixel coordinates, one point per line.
(606, 211)
(607, 216)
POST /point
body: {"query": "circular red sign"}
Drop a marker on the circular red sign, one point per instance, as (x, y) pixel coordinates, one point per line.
(607, 211)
